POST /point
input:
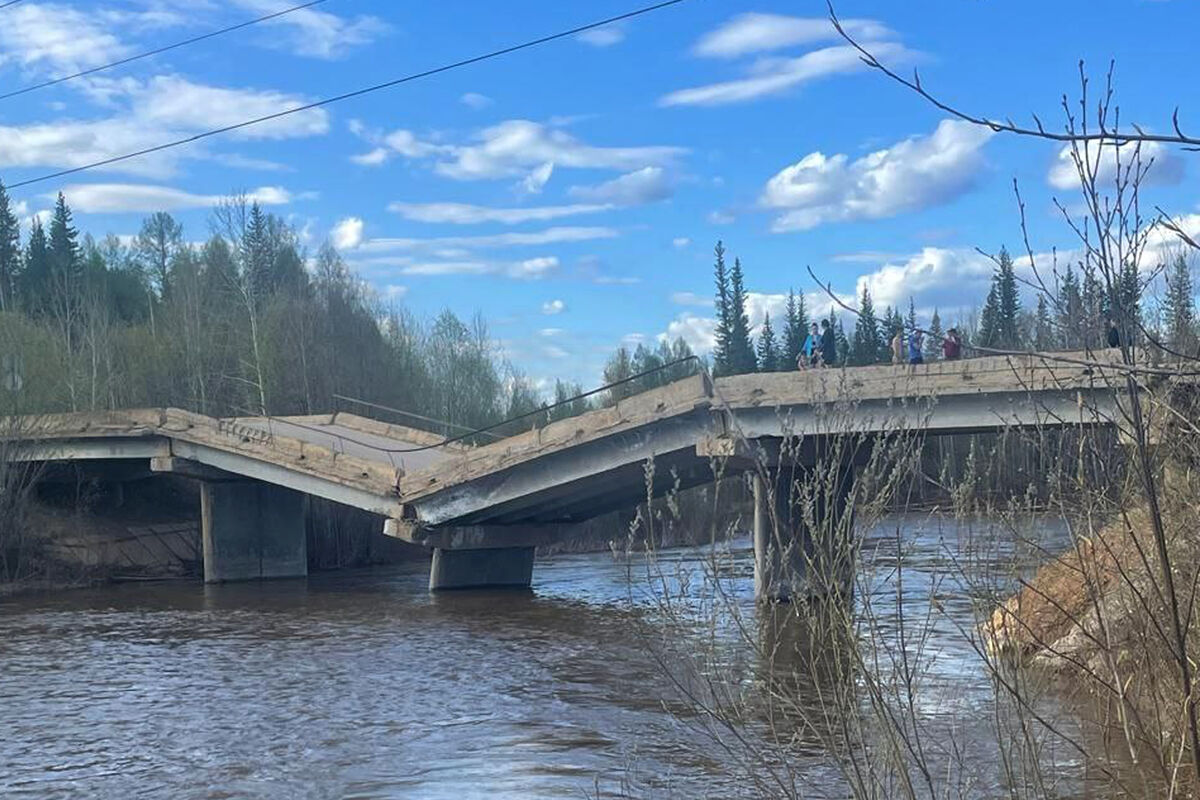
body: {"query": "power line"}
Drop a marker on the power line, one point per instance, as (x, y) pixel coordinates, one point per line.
(156, 51)
(9, 3)
(348, 95)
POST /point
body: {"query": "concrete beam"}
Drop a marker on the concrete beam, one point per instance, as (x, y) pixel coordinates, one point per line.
(191, 469)
(510, 568)
(278, 475)
(475, 537)
(91, 449)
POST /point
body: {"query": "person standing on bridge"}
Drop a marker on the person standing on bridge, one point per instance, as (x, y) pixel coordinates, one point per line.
(828, 344)
(898, 347)
(952, 345)
(810, 353)
(1114, 334)
(916, 347)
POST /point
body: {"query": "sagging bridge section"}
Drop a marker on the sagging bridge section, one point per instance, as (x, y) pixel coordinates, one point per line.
(484, 509)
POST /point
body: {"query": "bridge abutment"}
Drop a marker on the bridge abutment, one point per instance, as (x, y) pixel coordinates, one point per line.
(252, 530)
(503, 567)
(803, 545)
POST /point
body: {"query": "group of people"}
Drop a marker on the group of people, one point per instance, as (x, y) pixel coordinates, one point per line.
(820, 348)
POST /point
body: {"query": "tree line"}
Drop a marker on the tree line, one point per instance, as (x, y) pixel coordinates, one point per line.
(1077, 316)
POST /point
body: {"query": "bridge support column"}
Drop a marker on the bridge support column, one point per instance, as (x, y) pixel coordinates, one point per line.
(252, 530)
(803, 545)
(509, 567)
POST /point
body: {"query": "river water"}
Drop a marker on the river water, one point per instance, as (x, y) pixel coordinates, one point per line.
(361, 684)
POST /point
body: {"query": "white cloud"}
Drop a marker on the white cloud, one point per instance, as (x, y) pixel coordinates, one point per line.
(720, 218)
(550, 333)
(54, 39)
(690, 299)
(646, 185)
(529, 269)
(371, 158)
(516, 239)
(552, 307)
(395, 291)
(755, 32)
(771, 76)
(475, 100)
(603, 37)
(466, 214)
(680, 242)
(515, 146)
(117, 198)
(536, 180)
(700, 331)
(348, 233)
(163, 108)
(939, 277)
(318, 34)
(1162, 166)
(916, 173)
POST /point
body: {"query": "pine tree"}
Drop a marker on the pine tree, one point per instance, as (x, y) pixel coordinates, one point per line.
(65, 262)
(998, 326)
(35, 277)
(741, 349)
(1179, 310)
(866, 345)
(840, 339)
(159, 240)
(795, 330)
(722, 359)
(1070, 311)
(768, 350)
(1043, 327)
(933, 342)
(1094, 309)
(10, 253)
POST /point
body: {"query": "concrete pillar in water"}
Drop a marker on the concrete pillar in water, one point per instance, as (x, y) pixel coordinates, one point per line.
(252, 530)
(507, 567)
(803, 546)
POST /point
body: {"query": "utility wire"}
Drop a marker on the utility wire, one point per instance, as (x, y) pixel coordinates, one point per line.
(355, 93)
(9, 3)
(156, 51)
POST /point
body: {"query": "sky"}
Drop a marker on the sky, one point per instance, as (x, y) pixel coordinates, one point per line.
(572, 193)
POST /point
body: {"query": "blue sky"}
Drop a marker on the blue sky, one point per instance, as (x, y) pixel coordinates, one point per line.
(573, 193)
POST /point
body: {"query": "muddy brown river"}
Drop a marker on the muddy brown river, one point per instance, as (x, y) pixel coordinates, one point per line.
(360, 684)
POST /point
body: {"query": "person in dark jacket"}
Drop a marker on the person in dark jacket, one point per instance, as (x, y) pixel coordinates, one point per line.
(1114, 334)
(828, 344)
(952, 345)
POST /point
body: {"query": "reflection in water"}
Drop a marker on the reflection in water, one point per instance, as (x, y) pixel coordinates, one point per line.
(361, 684)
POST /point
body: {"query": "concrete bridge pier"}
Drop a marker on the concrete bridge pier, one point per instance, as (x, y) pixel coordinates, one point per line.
(499, 567)
(252, 530)
(803, 545)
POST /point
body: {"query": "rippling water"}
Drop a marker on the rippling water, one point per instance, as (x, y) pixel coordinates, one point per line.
(361, 684)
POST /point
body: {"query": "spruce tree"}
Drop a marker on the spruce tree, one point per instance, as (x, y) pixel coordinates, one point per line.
(10, 253)
(840, 339)
(1094, 309)
(795, 330)
(933, 342)
(35, 276)
(865, 347)
(741, 349)
(65, 261)
(1179, 310)
(998, 327)
(768, 350)
(1043, 327)
(722, 361)
(1070, 311)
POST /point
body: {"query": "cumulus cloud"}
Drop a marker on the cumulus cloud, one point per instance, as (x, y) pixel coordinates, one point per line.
(475, 100)
(371, 158)
(117, 198)
(55, 39)
(646, 185)
(515, 239)
(552, 307)
(162, 108)
(937, 277)
(316, 33)
(916, 173)
(467, 214)
(690, 299)
(772, 76)
(680, 242)
(536, 180)
(348, 233)
(1163, 166)
(755, 32)
(514, 148)
(603, 37)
